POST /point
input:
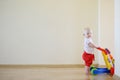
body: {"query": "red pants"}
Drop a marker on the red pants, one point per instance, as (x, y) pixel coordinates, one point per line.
(88, 59)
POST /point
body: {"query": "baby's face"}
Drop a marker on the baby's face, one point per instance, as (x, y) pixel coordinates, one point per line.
(88, 34)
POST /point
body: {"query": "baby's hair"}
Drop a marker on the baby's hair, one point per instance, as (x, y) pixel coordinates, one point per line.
(87, 30)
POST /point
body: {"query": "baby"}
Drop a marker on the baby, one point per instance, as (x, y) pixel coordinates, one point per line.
(88, 55)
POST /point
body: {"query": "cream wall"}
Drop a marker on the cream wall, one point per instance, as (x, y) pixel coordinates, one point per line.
(45, 31)
(105, 26)
(117, 37)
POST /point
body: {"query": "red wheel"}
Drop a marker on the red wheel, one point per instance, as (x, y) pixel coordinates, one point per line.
(112, 71)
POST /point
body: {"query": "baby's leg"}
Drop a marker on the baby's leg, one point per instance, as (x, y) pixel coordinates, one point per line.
(87, 70)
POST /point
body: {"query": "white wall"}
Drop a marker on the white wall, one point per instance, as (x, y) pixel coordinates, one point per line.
(45, 31)
(117, 37)
(106, 26)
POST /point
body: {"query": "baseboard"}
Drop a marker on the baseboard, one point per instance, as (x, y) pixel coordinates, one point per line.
(43, 66)
(102, 66)
(116, 77)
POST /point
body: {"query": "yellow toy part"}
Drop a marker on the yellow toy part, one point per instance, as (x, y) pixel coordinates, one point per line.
(109, 61)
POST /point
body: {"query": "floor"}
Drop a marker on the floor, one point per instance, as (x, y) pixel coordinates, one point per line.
(48, 74)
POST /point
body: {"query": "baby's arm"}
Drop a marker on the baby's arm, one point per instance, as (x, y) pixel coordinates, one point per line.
(92, 45)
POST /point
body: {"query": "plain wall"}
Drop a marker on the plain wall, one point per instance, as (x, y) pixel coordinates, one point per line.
(117, 37)
(105, 27)
(45, 31)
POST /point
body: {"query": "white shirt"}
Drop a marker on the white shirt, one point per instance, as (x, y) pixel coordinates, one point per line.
(87, 48)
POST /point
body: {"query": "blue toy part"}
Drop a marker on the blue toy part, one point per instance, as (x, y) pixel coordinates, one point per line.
(101, 71)
(96, 71)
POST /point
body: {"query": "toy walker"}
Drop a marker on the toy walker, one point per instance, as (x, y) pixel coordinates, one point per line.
(109, 62)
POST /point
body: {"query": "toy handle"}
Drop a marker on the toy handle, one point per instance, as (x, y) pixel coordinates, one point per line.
(101, 49)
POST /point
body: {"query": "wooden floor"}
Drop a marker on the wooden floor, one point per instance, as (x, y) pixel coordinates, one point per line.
(48, 74)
